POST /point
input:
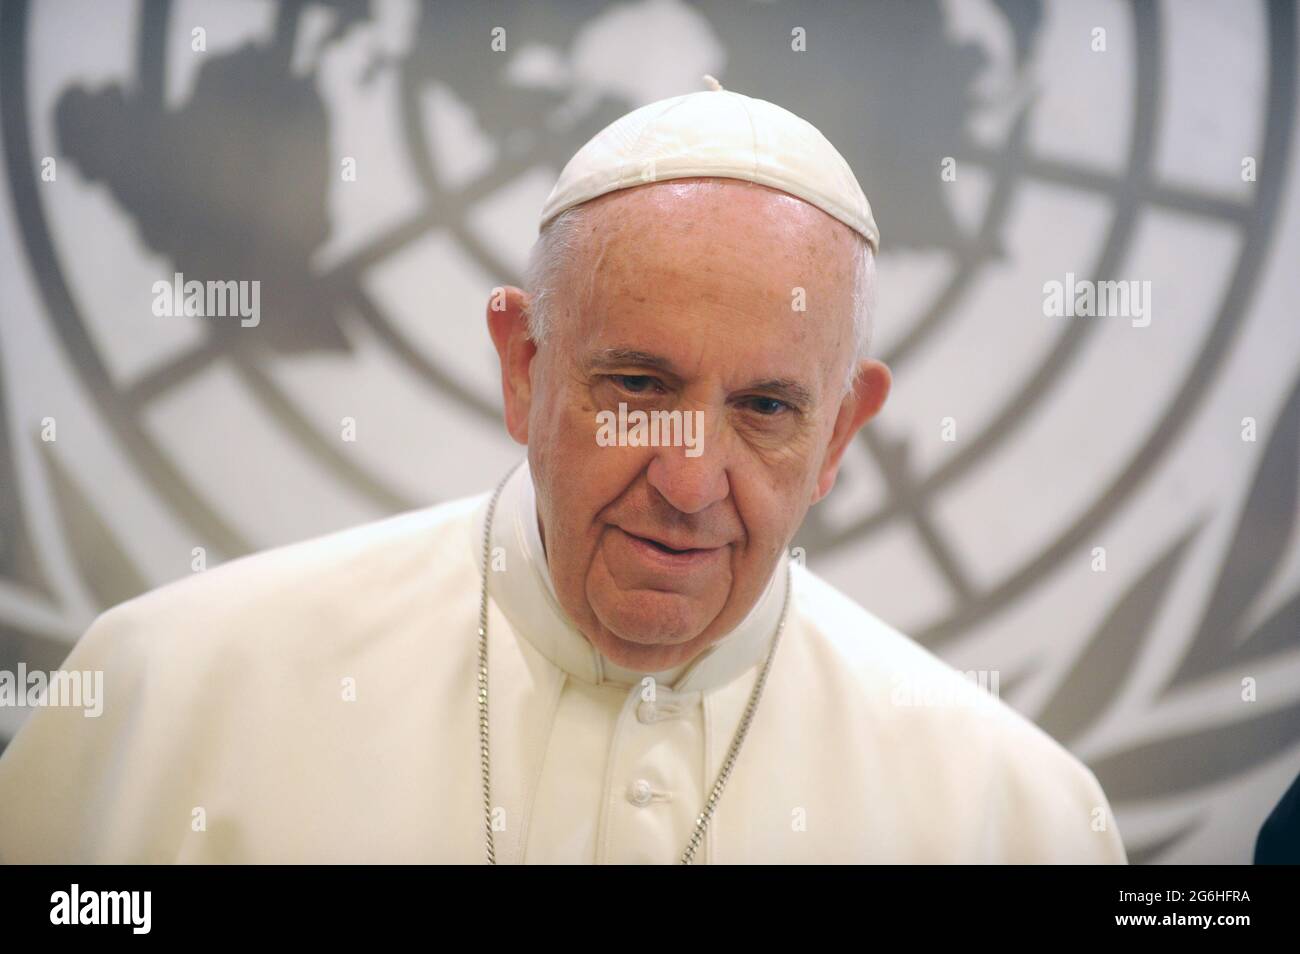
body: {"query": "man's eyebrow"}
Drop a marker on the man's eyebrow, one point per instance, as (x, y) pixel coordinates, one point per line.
(785, 389)
(625, 357)
(792, 392)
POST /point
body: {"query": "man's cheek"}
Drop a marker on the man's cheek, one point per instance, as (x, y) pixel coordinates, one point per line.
(778, 509)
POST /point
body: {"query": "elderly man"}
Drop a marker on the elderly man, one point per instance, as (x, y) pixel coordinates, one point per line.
(612, 657)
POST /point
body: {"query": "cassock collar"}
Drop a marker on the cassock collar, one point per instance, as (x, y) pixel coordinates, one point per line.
(525, 594)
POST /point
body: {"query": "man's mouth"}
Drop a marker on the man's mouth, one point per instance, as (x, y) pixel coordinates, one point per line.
(664, 548)
(667, 550)
(682, 547)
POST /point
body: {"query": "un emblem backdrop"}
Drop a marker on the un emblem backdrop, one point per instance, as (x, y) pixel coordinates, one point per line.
(1084, 484)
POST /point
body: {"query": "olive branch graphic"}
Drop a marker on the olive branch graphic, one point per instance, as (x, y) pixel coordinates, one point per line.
(1184, 761)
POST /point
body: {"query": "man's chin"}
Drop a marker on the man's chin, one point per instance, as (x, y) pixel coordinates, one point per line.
(645, 657)
(654, 634)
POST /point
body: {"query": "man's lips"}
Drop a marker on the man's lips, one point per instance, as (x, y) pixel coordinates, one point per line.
(668, 543)
(669, 551)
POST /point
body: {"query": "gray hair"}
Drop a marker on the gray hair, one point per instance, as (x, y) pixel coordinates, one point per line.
(560, 239)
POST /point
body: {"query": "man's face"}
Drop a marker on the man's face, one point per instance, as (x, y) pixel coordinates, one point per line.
(683, 296)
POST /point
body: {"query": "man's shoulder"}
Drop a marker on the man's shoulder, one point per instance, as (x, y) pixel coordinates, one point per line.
(305, 590)
(906, 690)
(876, 657)
(985, 773)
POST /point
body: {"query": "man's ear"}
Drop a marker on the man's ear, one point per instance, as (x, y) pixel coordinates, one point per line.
(860, 405)
(507, 320)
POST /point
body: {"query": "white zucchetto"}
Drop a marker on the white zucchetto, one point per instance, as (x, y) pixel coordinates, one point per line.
(715, 133)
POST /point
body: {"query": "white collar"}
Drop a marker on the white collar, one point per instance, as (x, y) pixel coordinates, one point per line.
(525, 593)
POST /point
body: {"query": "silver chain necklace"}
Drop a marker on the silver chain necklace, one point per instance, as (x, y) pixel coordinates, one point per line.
(703, 819)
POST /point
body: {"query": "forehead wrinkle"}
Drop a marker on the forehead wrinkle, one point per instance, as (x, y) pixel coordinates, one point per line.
(594, 243)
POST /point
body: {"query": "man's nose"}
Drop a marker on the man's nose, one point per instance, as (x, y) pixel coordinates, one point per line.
(690, 484)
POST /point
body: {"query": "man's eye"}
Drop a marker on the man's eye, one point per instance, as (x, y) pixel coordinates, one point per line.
(636, 383)
(768, 407)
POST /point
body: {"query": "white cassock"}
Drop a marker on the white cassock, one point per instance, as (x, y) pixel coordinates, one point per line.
(229, 733)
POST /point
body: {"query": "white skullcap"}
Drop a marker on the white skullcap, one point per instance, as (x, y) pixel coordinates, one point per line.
(715, 133)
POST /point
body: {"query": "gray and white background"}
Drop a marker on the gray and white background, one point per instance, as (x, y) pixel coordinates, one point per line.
(1174, 673)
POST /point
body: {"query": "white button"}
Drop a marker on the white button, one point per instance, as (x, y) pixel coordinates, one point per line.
(639, 792)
